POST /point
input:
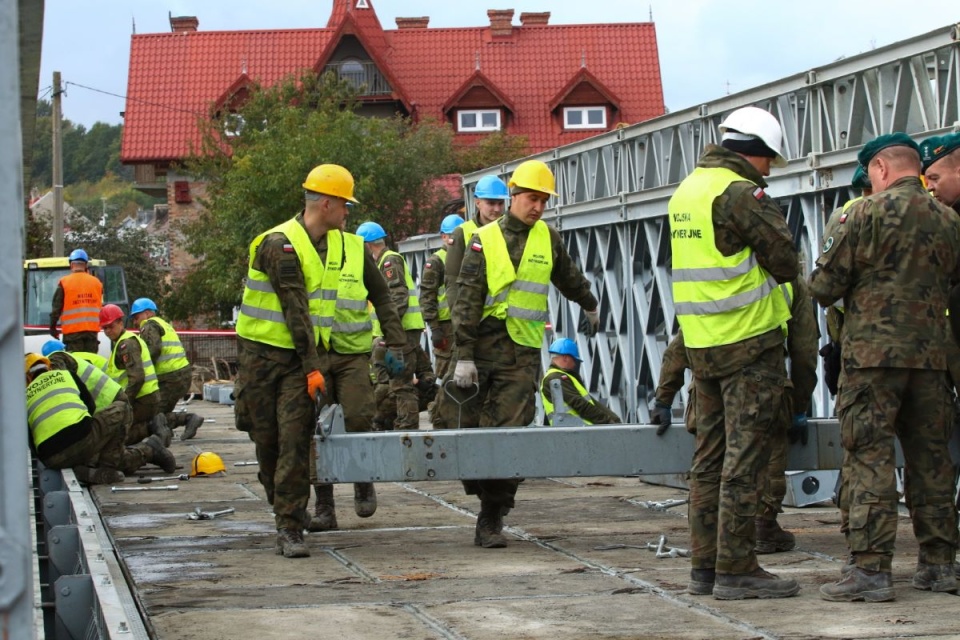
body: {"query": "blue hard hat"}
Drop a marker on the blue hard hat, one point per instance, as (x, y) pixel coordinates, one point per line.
(451, 222)
(371, 232)
(79, 255)
(565, 347)
(491, 188)
(142, 304)
(51, 346)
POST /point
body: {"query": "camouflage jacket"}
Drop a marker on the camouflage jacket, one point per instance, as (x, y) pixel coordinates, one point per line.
(431, 280)
(891, 257)
(482, 338)
(152, 334)
(593, 412)
(130, 359)
(745, 216)
(394, 270)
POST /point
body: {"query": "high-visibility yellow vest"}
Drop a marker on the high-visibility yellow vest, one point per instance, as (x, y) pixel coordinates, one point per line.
(95, 359)
(261, 316)
(412, 318)
(119, 375)
(548, 401)
(718, 299)
(345, 322)
(173, 356)
(443, 308)
(469, 228)
(53, 405)
(102, 387)
(377, 331)
(519, 296)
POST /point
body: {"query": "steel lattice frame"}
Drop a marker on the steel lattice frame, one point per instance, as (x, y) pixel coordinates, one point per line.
(614, 190)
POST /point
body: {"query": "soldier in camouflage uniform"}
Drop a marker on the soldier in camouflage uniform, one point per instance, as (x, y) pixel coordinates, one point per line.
(940, 156)
(433, 297)
(731, 247)
(399, 407)
(499, 340)
(564, 367)
(891, 258)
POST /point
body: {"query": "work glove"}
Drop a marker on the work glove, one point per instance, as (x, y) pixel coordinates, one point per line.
(832, 365)
(590, 323)
(439, 339)
(799, 429)
(465, 375)
(316, 384)
(661, 415)
(54, 332)
(393, 361)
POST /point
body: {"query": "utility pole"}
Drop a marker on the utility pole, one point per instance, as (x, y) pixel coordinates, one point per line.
(57, 169)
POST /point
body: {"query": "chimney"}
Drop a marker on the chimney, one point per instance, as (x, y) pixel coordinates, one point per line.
(183, 24)
(413, 23)
(529, 19)
(500, 22)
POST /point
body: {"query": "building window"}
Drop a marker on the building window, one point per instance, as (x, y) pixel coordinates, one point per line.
(584, 117)
(233, 125)
(478, 120)
(353, 72)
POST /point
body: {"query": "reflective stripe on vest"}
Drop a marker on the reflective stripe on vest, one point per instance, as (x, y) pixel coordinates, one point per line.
(261, 315)
(412, 318)
(173, 356)
(150, 383)
(443, 308)
(101, 386)
(82, 299)
(53, 404)
(345, 323)
(548, 401)
(519, 297)
(718, 299)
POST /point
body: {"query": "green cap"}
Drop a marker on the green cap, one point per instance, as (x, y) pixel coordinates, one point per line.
(932, 149)
(860, 179)
(872, 148)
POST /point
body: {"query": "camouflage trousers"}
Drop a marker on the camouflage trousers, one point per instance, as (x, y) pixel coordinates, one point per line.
(735, 417)
(348, 384)
(506, 398)
(397, 399)
(442, 357)
(144, 409)
(875, 407)
(82, 341)
(103, 447)
(174, 386)
(273, 407)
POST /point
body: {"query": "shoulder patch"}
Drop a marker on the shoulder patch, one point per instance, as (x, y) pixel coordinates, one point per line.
(758, 193)
(475, 246)
(386, 264)
(828, 244)
(428, 265)
(842, 218)
(288, 248)
(389, 272)
(564, 377)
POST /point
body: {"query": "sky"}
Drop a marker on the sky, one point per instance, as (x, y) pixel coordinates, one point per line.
(708, 48)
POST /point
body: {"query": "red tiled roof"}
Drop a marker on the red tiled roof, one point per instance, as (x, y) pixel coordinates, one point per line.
(174, 78)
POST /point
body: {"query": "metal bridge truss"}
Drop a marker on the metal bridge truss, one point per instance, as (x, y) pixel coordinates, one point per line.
(614, 189)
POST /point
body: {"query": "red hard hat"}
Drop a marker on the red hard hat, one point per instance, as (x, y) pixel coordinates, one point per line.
(109, 314)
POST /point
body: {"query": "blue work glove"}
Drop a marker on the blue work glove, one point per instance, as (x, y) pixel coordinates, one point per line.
(393, 361)
(798, 429)
(661, 415)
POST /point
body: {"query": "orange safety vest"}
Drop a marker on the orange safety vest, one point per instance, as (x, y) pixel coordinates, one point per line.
(82, 299)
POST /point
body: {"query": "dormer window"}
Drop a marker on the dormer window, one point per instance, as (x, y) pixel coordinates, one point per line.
(584, 117)
(478, 120)
(233, 124)
(353, 72)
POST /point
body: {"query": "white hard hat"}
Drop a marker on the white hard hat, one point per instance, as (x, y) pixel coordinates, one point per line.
(759, 123)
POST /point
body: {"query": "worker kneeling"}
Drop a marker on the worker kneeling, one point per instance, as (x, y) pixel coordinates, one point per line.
(564, 365)
(67, 430)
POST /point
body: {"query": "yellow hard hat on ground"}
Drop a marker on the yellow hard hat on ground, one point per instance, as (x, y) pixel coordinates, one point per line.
(330, 180)
(535, 176)
(206, 464)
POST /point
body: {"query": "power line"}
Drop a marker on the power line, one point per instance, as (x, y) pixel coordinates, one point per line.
(147, 102)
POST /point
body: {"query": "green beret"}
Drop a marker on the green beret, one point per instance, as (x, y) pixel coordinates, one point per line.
(932, 149)
(872, 148)
(860, 179)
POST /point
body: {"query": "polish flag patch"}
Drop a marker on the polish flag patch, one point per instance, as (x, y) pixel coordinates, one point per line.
(288, 248)
(428, 266)
(476, 247)
(758, 193)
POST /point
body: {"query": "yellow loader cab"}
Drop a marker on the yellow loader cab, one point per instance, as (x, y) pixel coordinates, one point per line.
(40, 279)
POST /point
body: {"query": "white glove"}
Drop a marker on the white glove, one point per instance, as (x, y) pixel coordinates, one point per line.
(593, 317)
(465, 375)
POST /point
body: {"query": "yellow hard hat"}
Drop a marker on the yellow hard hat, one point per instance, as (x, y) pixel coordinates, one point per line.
(330, 180)
(33, 364)
(534, 175)
(206, 464)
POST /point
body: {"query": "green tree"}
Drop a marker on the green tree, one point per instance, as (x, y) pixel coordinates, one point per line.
(254, 176)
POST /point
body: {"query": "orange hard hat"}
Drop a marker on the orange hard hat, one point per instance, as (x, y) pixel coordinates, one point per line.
(109, 314)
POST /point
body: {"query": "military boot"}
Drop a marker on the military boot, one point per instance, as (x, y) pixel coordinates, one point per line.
(935, 577)
(771, 538)
(324, 513)
(489, 527)
(364, 499)
(103, 475)
(860, 584)
(193, 423)
(290, 544)
(701, 582)
(158, 426)
(160, 455)
(849, 566)
(756, 584)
